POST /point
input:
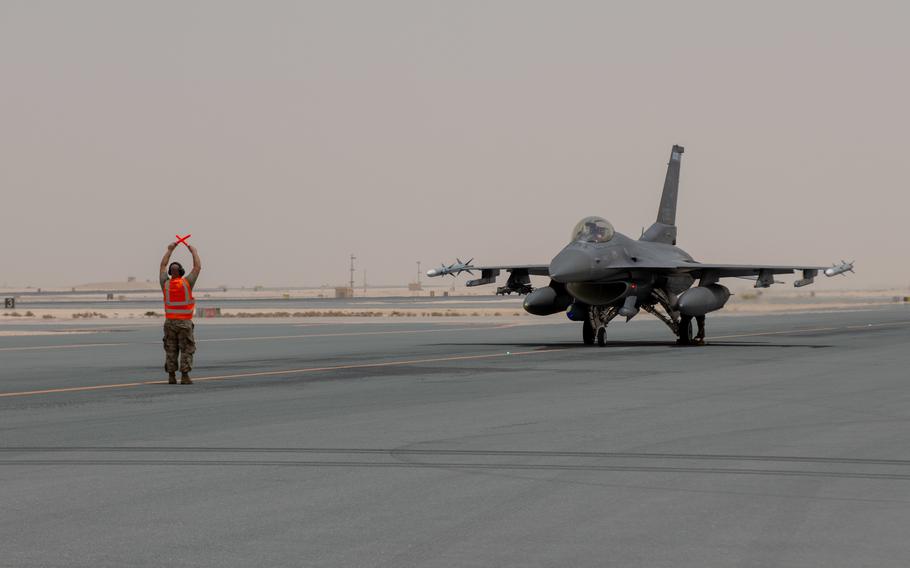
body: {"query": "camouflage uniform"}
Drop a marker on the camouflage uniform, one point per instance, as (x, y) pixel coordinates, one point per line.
(178, 337)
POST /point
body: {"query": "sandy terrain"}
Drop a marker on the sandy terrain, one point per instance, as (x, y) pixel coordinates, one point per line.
(146, 290)
(51, 307)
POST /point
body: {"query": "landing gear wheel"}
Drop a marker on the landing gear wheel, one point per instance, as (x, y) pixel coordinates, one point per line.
(587, 332)
(602, 336)
(686, 331)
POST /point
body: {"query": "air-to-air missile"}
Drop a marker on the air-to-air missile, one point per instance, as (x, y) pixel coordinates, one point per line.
(453, 269)
(841, 268)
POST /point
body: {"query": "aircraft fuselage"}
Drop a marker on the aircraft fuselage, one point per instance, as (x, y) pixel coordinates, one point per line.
(605, 273)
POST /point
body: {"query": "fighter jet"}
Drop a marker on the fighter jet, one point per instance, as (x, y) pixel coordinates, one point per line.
(602, 274)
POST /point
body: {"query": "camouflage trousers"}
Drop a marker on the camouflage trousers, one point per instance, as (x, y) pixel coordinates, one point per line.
(178, 340)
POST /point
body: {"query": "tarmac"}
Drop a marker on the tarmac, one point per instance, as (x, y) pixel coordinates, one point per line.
(459, 442)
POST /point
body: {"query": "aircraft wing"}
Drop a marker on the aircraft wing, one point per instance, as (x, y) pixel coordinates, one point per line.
(730, 270)
(519, 275)
(489, 271)
(763, 273)
(532, 269)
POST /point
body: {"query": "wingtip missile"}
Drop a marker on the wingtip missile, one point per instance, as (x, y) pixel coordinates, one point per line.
(841, 268)
(453, 269)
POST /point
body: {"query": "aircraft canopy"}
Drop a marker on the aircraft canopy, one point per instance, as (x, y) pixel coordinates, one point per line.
(593, 230)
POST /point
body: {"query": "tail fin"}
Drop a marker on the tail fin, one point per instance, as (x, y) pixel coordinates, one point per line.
(667, 212)
(664, 229)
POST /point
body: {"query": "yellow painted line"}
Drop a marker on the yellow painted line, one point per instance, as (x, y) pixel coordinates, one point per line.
(810, 330)
(405, 362)
(356, 333)
(377, 365)
(762, 333)
(288, 372)
(479, 327)
(68, 346)
(80, 389)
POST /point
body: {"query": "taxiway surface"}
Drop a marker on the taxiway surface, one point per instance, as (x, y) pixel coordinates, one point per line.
(783, 442)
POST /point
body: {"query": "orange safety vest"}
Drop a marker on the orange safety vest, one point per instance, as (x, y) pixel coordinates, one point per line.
(178, 299)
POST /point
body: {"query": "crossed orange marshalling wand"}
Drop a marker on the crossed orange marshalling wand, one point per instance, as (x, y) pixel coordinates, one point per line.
(182, 240)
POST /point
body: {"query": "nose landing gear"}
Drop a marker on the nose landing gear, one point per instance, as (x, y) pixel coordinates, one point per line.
(588, 332)
(594, 327)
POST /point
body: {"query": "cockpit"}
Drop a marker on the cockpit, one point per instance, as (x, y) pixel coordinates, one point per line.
(593, 230)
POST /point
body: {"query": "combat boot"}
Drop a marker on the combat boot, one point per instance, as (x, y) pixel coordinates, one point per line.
(185, 379)
(172, 378)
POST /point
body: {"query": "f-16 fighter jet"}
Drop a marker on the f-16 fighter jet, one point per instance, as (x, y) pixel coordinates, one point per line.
(602, 274)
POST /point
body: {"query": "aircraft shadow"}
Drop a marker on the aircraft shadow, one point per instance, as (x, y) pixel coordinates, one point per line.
(633, 343)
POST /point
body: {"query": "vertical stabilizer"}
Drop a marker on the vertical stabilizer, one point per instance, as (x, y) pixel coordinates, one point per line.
(664, 229)
(667, 212)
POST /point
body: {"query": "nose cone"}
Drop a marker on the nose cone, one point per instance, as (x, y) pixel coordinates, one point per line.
(571, 265)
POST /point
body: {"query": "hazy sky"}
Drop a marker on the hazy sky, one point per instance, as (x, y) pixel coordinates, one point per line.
(286, 135)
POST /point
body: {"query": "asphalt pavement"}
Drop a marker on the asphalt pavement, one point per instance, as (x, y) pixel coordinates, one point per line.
(459, 442)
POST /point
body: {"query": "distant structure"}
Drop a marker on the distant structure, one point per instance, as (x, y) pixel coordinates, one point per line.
(416, 286)
(348, 292)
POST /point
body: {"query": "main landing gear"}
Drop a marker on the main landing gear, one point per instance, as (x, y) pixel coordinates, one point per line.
(680, 325)
(687, 334)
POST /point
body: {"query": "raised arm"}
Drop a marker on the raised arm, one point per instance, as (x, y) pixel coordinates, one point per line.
(162, 271)
(197, 264)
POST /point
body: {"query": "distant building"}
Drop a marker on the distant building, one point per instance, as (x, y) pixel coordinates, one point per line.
(344, 292)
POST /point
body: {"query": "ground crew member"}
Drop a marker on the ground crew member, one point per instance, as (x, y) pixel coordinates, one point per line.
(178, 311)
(700, 335)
